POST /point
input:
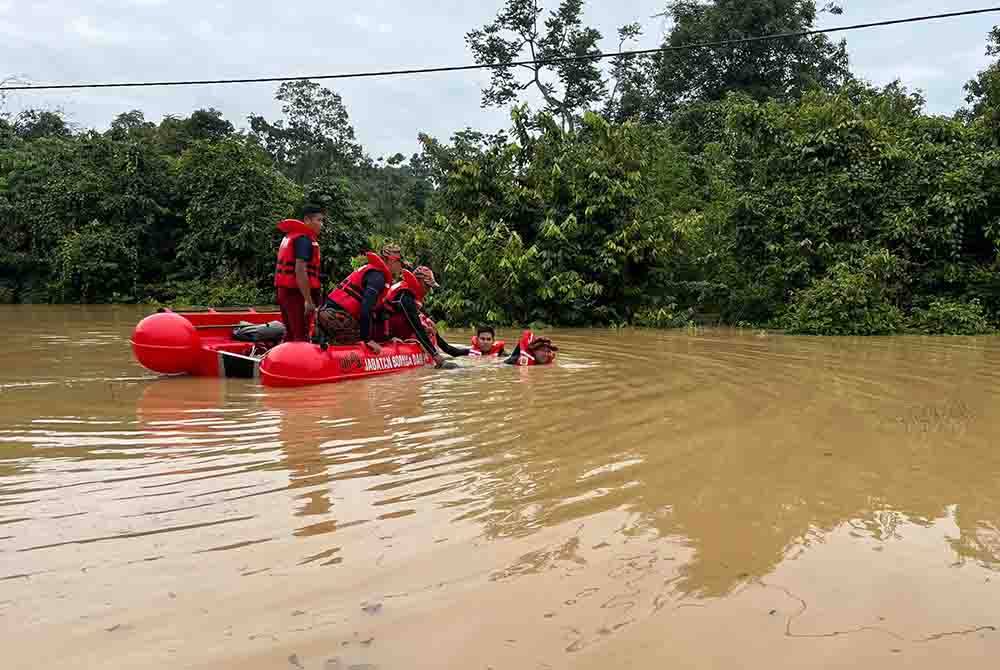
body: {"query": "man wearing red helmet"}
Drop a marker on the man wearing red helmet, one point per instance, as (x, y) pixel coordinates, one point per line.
(402, 311)
(531, 350)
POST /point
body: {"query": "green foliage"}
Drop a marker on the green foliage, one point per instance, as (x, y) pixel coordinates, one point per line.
(234, 198)
(569, 227)
(663, 317)
(315, 133)
(228, 291)
(34, 124)
(52, 187)
(812, 179)
(348, 224)
(854, 298)
(175, 135)
(94, 264)
(951, 317)
(656, 87)
(984, 93)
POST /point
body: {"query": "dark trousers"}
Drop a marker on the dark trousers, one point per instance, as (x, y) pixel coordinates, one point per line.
(293, 312)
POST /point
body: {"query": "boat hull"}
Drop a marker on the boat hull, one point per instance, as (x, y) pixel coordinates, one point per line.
(305, 364)
(202, 344)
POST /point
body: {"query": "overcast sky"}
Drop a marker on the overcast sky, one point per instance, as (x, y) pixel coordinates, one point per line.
(116, 40)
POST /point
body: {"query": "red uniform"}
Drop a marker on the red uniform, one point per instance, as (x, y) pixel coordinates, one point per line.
(348, 295)
(396, 323)
(289, 297)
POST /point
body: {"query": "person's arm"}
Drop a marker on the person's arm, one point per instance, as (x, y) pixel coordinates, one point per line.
(409, 306)
(515, 355)
(303, 254)
(451, 350)
(374, 284)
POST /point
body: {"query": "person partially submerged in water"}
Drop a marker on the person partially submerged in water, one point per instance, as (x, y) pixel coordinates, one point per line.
(531, 350)
(485, 343)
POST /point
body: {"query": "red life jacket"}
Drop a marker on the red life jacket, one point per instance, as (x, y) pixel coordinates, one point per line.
(284, 271)
(525, 357)
(396, 323)
(349, 294)
(498, 346)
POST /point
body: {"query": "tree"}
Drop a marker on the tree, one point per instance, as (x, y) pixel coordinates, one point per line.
(316, 131)
(516, 35)
(7, 134)
(52, 187)
(177, 134)
(130, 124)
(772, 69)
(984, 91)
(233, 198)
(94, 264)
(349, 222)
(33, 124)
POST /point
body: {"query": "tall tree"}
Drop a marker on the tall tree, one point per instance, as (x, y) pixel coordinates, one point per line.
(33, 124)
(772, 69)
(315, 133)
(568, 88)
(177, 134)
(130, 124)
(984, 91)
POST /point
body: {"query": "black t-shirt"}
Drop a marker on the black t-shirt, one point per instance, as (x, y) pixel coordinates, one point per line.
(303, 248)
(374, 283)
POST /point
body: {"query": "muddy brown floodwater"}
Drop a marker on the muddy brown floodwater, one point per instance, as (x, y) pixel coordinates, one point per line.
(657, 500)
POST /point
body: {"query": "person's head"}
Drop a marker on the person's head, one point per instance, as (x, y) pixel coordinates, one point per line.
(543, 350)
(314, 216)
(426, 277)
(486, 336)
(393, 257)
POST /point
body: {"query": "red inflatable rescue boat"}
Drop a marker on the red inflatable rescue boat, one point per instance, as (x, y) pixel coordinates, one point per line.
(203, 344)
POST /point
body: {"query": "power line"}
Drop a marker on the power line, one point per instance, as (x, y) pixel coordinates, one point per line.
(490, 66)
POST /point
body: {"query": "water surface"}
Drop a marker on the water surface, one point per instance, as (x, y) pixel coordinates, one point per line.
(686, 499)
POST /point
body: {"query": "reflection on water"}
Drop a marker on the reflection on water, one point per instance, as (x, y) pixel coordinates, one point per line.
(723, 459)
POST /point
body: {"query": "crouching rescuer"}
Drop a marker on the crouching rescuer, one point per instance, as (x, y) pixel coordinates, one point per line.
(403, 316)
(348, 316)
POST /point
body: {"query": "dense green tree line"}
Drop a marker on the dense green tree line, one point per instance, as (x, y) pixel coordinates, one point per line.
(760, 184)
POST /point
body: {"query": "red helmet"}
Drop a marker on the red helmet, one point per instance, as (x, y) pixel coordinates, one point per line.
(391, 252)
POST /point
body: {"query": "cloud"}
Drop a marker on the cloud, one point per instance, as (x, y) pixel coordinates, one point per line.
(204, 29)
(109, 34)
(82, 26)
(370, 24)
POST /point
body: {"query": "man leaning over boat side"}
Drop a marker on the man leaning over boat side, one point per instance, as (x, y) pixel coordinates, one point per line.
(348, 315)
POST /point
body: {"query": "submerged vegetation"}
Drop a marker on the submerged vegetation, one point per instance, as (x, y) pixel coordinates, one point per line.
(761, 185)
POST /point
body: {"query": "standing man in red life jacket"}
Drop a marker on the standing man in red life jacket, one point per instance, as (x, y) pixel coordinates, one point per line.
(348, 316)
(531, 350)
(296, 275)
